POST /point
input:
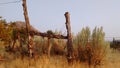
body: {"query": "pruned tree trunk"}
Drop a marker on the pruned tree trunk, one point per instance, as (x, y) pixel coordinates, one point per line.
(30, 49)
(70, 54)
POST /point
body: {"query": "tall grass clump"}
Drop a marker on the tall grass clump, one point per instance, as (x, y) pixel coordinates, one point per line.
(91, 47)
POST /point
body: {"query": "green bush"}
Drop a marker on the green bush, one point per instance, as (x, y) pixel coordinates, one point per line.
(90, 46)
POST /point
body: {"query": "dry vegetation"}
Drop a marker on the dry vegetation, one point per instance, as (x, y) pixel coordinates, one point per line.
(90, 50)
(110, 61)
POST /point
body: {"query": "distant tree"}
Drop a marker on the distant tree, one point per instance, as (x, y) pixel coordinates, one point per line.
(0, 16)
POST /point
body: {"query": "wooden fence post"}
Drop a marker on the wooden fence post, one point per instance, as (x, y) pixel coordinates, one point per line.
(49, 47)
(70, 54)
(30, 42)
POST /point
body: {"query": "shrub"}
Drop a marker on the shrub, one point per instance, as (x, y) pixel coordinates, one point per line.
(58, 47)
(91, 47)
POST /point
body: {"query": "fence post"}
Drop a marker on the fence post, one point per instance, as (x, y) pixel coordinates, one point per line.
(30, 42)
(70, 54)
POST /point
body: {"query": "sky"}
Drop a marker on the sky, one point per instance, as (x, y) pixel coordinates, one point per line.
(49, 14)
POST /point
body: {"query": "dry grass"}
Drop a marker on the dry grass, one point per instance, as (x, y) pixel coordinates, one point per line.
(11, 61)
(110, 61)
(42, 62)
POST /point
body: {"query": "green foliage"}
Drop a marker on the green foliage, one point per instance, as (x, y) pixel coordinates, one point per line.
(50, 32)
(0, 16)
(98, 36)
(82, 37)
(5, 31)
(91, 47)
(9, 32)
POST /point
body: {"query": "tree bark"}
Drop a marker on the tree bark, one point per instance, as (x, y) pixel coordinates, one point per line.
(49, 47)
(48, 35)
(30, 42)
(70, 54)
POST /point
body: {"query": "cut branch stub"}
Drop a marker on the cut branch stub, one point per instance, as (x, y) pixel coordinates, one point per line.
(70, 54)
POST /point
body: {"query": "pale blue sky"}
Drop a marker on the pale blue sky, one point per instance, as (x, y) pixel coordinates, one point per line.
(49, 14)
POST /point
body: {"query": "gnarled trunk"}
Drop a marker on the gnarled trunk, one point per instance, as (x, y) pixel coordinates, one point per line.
(70, 54)
(30, 41)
